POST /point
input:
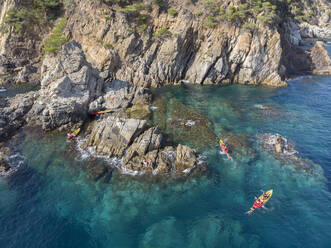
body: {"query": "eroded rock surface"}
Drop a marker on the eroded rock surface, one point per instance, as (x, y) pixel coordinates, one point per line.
(13, 111)
(69, 84)
(139, 146)
(111, 136)
(320, 59)
(193, 52)
(120, 95)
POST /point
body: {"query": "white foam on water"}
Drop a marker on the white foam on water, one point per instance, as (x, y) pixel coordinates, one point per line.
(153, 107)
(302, 77)
(259, 106)
(84, 154)
(190, 123)
(15, 161)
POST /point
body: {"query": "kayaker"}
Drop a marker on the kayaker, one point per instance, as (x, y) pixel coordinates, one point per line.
(70, 135)
(265, 196)
(226, 151)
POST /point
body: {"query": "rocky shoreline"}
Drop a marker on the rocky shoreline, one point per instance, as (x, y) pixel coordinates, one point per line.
(71, 89)
(108, 65)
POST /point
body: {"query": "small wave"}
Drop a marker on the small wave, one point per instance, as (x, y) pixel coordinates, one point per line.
(303, 77)
(187, 171)
(15, 161)
(130, 172)
(260, 106)
(84, 154)
(153, 107)
(190, 123)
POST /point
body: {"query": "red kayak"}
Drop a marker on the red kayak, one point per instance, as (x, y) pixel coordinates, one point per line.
(261, 201)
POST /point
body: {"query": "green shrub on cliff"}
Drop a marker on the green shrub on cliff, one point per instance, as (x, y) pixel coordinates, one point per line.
(29, 16)
(211, 21)
(56, 39)
(162, 32)
(142, 28)
(20, 19)
(133, 8)
(172, 12)
(250, 26)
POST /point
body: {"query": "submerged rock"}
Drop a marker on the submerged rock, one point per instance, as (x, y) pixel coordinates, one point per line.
(239, 146)
(284, 151)
(183, 123)
(97, 172)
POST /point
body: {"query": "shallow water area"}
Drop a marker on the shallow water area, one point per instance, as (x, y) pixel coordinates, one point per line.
(51, 201)
(14, 89)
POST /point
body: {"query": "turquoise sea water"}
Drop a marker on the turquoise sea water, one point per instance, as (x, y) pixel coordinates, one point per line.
(50, 201)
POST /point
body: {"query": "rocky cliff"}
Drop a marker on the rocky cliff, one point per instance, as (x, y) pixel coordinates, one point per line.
(186, 49)
(152, 43)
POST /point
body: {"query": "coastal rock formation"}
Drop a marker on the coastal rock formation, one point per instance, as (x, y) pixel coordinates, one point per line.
(120, 95)
(320, 59)
(111, 136)
(185, 158)
(277, 144)
(312, 31)
(284, 151)
(13, 111)
(4, 165)
(69, 84)
(140, 147)
(190, 51)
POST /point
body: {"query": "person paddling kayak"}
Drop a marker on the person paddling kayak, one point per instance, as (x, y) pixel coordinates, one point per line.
(70, 136)
(225, 149)
(261, 201)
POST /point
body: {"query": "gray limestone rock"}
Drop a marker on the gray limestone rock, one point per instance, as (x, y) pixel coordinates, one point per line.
(111, 136)
(13, 111)
(69, 84)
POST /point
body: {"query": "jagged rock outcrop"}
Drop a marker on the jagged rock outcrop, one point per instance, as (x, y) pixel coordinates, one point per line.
(4, 165)
(69, 84)
(120, 95)
(312, 31)
(185, 158)
(320, 59)
(13, 111)
(140, 147)
(111, 136)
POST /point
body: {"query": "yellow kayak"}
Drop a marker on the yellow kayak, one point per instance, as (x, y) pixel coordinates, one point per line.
(74, 134)
(260, 202)
(102, 112)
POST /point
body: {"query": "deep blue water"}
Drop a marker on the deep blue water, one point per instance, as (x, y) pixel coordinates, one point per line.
(51, 201)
